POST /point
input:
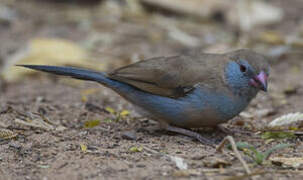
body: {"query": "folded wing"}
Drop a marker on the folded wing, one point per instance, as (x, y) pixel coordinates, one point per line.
(167, 76)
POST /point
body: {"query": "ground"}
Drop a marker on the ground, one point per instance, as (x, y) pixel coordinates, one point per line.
(131, 147)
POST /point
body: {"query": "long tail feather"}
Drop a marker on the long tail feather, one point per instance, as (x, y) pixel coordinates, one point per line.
(72, 72)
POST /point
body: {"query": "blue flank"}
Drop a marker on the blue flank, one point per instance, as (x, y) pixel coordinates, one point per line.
(175, 111)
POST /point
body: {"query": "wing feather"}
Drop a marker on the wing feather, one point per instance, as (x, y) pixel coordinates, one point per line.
(167, 76)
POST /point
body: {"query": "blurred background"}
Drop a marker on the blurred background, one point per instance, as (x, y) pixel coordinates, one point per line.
(113, 33)
(68, 129)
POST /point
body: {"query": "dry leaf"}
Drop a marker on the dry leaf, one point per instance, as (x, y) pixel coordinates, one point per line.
(48, 52)
(265, 112)
(83, 147)
(246, 115)
(286, 120)
(110, 110)
(187, 172)
(60, 128)
(7, 134)
(180, 163)
(183, 37)
(247, 14)
(294, 162)
(197, 8)
(41, 123)
(124, 113)
(135, 149)
(272, 37)
(92, 123)
(217, 162)
(36, 123)
(279, 99)
(84, 98)
(278, 135)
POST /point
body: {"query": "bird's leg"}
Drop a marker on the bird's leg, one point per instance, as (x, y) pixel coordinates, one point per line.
(189, 133)
(225, 130)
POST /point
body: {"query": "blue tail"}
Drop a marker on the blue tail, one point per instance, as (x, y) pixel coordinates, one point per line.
(125, 90)
(73, 72)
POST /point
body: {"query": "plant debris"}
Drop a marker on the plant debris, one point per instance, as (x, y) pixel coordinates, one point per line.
(286, 120)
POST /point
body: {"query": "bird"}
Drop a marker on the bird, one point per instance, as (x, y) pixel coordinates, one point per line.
(190, 90)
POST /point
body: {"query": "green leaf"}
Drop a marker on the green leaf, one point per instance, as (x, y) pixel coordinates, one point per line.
(135, 149)
(251, 151)
(259, 157)
(43, 166)
(110, 110)
(278, 135)
(256, 155)
(83, 147)
(91, 123)
(124, 113)
(243, 145)
(108, 120)
(277, 147)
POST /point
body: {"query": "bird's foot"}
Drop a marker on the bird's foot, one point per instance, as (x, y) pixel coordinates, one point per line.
(191, 134)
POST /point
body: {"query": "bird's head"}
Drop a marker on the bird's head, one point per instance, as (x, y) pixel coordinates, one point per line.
(247, 71)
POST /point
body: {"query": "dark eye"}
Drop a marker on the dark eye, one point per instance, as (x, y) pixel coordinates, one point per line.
(242, 68)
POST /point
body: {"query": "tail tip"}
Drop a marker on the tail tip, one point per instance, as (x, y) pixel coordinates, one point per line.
(23, 65)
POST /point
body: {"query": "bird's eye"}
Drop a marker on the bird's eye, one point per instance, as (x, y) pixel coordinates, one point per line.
(242, 68)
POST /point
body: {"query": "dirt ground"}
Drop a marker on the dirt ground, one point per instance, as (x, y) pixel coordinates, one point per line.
(131, 147)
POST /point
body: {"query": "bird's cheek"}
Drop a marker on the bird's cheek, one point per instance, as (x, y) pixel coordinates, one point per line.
(254, 83)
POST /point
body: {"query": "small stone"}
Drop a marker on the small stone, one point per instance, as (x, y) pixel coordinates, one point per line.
(265, 112)
(129, 135)
(15, 145)
(246, 115)
(141, 165)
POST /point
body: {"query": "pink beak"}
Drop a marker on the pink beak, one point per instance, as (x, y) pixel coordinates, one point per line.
(260, 81)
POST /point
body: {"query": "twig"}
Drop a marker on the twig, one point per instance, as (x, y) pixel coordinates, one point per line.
(45, 119)
(235, 149)
(37, 123)
(152, 151)
(247, 175)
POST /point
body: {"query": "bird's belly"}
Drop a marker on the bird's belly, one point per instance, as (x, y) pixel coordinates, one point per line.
(187, 117)
(195, 118)
(197, 109)
(210, 109)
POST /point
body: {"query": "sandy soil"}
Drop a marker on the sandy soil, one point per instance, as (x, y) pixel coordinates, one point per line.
(49, 154)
